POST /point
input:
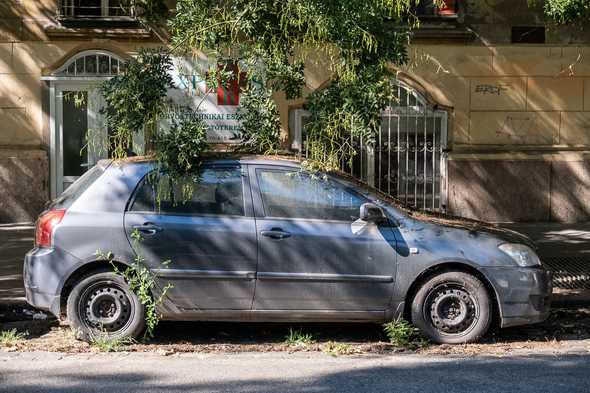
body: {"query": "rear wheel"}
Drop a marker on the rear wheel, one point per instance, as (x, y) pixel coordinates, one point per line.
(102, 304)
(452, 308)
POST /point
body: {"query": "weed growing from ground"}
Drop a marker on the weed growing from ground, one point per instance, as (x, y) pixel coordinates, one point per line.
(333, 348)
(403, 335)
(296, 337)
(105, 343)
(9, 338)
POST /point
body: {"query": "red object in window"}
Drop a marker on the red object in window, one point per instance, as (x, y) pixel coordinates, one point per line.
(230, 93)
(45, 226)
(448, 8)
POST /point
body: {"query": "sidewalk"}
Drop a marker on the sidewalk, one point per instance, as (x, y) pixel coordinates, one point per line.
(558, 240)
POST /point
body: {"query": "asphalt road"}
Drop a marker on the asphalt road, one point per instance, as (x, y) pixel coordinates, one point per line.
(300, 372)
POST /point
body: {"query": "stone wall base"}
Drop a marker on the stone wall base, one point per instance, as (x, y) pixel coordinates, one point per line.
(520, 190)
(24, 184)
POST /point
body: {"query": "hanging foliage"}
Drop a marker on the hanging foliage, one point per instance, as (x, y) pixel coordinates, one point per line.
(567, 11)
(272, 41)
(137, 105)
(136, 99)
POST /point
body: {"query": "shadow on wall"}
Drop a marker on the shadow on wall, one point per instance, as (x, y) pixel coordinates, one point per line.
(520, 190)
(23, 184)
(412, 374)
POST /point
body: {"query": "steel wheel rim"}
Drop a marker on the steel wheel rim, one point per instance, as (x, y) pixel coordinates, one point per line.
(451, 309)
(105, 307)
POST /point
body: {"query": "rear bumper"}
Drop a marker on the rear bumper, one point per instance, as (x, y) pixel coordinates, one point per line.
(43, 301)
(524, 294)
(43, 273)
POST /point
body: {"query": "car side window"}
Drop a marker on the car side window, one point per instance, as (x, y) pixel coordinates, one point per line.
(296, 194)
(215, 191)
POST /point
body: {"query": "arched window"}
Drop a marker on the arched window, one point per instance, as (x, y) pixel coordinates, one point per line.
(406, 159)
(91, 64)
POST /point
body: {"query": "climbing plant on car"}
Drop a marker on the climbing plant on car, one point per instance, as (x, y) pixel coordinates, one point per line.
(143, 282)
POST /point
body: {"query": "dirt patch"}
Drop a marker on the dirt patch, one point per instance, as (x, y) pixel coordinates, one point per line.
(564, 325)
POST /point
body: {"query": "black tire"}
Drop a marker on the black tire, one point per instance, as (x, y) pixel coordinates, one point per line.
(102, 304)
(452, 308)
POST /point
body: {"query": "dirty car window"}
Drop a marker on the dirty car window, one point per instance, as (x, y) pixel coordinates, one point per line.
(293, 194)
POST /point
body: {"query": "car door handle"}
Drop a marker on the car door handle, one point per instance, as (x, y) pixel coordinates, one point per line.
(148, 228)
(276, 233)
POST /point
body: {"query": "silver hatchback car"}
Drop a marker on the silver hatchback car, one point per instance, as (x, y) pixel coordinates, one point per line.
(262, 240)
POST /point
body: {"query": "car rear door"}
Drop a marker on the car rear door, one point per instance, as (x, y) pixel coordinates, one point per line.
(314, 253)
(208, 234)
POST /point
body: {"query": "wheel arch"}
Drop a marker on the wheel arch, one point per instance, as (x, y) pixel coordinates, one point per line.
(452, 266)
(84, 271)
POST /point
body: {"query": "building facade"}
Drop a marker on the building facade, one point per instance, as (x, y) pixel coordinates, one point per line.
(492, 120)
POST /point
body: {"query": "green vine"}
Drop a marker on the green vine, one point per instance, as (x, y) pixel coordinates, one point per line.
(142, 282)
(565, 12)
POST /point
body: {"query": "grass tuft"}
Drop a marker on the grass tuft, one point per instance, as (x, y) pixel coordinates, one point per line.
(296, 337)
(403, 335)
(9, 338)
(333, 348)
(106, 343)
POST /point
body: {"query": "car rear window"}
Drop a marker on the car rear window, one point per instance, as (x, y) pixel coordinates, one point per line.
(73, 192)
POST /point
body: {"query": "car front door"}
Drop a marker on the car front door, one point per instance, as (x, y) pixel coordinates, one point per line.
(314, 252)
(205, 228)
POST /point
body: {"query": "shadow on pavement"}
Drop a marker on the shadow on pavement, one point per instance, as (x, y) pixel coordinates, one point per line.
(189, 374)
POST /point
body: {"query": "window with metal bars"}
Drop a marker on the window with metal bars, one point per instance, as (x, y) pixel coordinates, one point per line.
(95, 9)
(406, 159)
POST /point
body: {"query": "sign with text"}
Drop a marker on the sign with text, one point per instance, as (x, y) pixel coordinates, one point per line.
(217, 106)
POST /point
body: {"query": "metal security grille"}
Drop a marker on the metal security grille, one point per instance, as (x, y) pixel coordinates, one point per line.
(569, 272)
(410, 151)
(406, 159)
(88, 9)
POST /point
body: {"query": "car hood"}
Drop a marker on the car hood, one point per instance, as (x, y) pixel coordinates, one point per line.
(441, 219)
(472, 226)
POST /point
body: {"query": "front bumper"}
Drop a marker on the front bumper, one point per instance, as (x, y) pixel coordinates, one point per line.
(524, 294)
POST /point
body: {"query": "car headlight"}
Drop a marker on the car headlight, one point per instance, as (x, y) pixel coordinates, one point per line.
(523, 255)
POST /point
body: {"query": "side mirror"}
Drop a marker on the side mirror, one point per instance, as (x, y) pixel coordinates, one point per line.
(370, 212)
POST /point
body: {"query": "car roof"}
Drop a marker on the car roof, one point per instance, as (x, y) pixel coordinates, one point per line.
(221, 158)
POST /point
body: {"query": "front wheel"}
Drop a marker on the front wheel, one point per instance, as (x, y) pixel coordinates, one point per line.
(102, 304)
(452, 308)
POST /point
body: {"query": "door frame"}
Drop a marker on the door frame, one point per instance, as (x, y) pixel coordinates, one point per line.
(56, 87)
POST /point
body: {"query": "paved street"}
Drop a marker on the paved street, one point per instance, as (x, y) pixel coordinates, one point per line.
(270, 372)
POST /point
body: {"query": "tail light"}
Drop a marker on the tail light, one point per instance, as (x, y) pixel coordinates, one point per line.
(45, 225)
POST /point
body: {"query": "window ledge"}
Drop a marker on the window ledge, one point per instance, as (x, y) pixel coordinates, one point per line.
(443, 31)
(98, 32)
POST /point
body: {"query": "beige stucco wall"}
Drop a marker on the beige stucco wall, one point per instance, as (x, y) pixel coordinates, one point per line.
(26, 53)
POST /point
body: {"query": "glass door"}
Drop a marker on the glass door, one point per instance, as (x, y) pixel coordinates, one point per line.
(82, 134)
